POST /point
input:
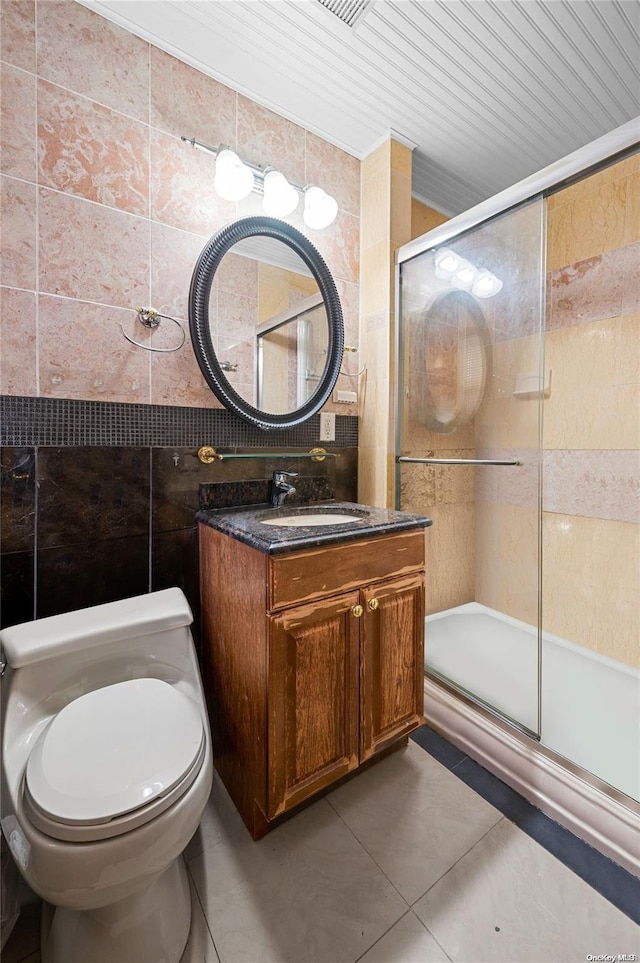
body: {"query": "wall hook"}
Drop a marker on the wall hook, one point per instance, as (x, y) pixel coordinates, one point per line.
(150, 318)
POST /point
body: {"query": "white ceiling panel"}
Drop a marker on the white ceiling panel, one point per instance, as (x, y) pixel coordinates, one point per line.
(489, 91)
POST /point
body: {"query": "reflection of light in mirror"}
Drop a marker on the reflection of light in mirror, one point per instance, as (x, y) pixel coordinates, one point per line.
(486, 285)
(446, 263)
(465, 275)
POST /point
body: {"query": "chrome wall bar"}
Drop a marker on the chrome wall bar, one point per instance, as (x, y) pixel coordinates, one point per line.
(458, 461)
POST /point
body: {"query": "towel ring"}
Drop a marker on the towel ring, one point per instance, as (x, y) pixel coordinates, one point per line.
(151, 319)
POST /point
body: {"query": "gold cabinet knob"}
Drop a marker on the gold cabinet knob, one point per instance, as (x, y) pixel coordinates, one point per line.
(357, 611)
(373, 604)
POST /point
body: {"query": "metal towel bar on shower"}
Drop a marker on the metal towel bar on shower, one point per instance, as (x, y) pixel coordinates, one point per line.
(458, 461)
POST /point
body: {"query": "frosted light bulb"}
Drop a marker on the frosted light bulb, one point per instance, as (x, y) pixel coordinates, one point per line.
(320, 209)
(280, 198)
(233, 179)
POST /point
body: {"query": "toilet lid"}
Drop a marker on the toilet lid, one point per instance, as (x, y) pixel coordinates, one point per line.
(114, 750)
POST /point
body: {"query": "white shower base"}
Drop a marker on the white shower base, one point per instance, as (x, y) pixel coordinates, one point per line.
(590, 704)
(582, 692)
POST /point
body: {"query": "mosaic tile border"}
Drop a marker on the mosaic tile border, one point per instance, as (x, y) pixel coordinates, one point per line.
(60, 422)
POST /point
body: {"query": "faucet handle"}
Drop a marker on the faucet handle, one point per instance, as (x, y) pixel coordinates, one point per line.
(279, 476)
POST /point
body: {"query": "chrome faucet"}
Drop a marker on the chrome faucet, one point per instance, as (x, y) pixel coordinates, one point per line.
(281, 487)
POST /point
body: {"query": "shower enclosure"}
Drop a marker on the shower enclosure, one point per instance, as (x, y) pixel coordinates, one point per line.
(517, 431)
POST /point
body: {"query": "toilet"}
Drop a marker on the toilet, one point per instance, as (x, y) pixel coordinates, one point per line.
(106, 771)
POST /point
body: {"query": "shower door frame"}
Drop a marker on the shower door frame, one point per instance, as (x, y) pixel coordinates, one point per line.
(605, 150)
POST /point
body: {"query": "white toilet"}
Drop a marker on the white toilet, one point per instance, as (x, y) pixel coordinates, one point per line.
(106, 770)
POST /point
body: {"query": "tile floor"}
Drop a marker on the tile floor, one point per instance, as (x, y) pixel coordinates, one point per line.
(407, 863)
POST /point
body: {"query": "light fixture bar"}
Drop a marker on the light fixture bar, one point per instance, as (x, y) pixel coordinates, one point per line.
(320, 209)
(259, 171)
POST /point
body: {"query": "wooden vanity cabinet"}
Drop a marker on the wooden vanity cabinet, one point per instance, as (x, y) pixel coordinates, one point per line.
(313, 662)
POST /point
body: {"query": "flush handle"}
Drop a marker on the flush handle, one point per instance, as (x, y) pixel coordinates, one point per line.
(357, 611)
(373, 604)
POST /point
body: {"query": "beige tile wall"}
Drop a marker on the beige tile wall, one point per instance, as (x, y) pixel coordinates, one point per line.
(503, 421)
(595, 215)
(592, 417)
(446, 495)
(507, 548)
(595, 397)
(386, 225)
(591, 574)
(424, 218)
(104, 208)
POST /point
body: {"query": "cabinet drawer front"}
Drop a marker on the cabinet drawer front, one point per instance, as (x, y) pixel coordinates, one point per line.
(305, 576)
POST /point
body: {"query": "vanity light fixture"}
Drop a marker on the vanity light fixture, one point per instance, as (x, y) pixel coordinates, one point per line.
(465, 275)
(235, 179)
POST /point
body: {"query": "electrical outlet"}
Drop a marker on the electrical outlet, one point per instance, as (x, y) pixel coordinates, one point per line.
(327, 426)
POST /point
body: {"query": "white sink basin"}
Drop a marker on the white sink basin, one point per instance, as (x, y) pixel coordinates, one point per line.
(312, 518)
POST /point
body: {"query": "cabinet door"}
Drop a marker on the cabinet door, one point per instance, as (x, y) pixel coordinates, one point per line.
(313, 699)
(392, 670)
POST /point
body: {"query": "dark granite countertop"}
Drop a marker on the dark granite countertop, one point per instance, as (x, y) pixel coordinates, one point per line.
(246, 526)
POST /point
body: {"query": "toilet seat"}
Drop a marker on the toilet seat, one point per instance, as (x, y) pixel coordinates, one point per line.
(112, 760)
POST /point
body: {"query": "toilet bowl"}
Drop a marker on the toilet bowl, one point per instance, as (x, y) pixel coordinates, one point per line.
(106, 771)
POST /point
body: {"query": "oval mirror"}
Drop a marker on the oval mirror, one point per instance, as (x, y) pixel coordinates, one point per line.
(454, 354)
(266, 322)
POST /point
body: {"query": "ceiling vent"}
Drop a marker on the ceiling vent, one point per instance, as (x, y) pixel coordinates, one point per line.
(350, 12)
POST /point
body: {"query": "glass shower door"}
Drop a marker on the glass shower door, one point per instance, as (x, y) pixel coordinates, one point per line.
(471, 381)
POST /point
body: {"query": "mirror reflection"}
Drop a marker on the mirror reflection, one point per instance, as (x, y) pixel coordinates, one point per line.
(453, 350)
(291, 355)
(266, 322)
(268, 325)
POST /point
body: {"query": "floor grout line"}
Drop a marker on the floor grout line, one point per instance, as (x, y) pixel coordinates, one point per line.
(459, 763)
(204, 915)
(432, 935)
(372, 858)
(460, 858)
(390, 881)
(411, 906)
(382, 935)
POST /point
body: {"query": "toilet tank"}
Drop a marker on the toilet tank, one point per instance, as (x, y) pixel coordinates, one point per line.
(100, 625)
(54, 660)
